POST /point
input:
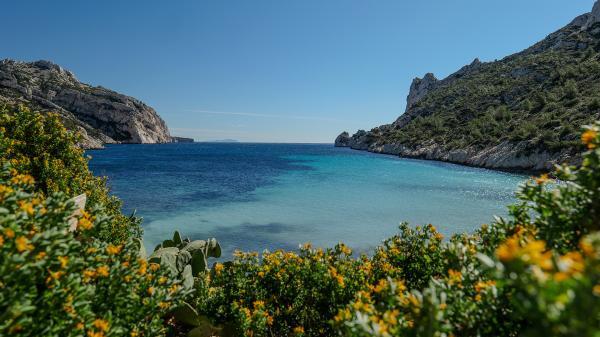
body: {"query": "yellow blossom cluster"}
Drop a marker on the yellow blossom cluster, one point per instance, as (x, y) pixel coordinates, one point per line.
(589, 137)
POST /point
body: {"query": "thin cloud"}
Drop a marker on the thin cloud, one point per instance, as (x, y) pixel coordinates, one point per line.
(262, 115)
(207, 130)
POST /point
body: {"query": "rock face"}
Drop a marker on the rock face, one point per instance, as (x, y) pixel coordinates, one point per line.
(343, 140)
(419, 88)
(182, 140)
(594, 16)
(99, 114)
(505, 94)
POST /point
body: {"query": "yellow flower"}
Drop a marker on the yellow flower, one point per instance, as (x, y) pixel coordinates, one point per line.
(345, 249)
(588, 138)
(53, 276)
(380, 286)
(127, 278)
(95, 334)
(112, 249)
(64, 260)
(89, 274)
(298, 330)
(482, 285)
(134, 334)
(596, 290)
(23, 244)
(84, 223)
(103, 271)
(5, 190)
(1, 240)
(162, 280)
(143, 266)
(22, 179)
(154, 266)
(507, 251)
(261, 274)
(586, 248)
(542, 179)
(247, 313)
(26, 207)
(150, 291)
(414, 300)
(443, 306)
(218, 268)
(79, 326)
(164, 305)
(9, 233)
(454, 277)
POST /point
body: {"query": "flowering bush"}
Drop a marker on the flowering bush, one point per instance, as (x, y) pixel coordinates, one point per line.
(283, 293)
(38, 145)
(558, 294)
(415, 256)
(58, 282)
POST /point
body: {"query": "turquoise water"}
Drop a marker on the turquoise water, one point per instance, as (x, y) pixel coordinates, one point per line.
(270, 196)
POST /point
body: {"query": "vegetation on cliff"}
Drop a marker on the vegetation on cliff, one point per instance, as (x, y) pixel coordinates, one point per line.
(532, 102)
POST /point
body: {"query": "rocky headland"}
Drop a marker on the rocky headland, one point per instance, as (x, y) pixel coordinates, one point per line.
(100, 115)
(523, 112)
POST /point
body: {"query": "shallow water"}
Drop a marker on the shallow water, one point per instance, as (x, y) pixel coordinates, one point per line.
(270, 196)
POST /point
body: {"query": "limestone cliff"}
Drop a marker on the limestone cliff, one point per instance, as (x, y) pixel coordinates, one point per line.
(523, 112)
(99, 114)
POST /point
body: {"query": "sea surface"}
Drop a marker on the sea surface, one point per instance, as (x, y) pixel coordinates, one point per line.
(269, 196)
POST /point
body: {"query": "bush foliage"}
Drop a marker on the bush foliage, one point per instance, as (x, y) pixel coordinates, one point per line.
(40, 146)
(56, 280)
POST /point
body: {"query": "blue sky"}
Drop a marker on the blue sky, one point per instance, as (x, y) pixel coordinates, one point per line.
(273, 71)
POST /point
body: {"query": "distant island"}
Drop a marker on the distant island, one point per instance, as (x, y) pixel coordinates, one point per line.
(182, 140)
(222, 141)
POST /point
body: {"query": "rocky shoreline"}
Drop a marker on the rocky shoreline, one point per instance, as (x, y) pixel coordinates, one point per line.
(506, 156)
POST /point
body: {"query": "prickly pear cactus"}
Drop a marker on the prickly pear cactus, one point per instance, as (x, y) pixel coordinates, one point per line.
(185, 259)
(177, 254)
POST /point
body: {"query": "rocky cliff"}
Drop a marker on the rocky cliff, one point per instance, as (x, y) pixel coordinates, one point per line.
(99, 114)
(523, 112)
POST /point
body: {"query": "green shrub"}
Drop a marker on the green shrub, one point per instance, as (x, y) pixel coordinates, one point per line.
(283, 293)
(59, 282)
(38, 145)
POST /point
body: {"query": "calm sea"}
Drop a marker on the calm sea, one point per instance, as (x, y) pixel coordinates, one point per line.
(270, 196)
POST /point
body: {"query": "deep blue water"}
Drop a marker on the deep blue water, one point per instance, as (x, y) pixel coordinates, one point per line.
(270, 196)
